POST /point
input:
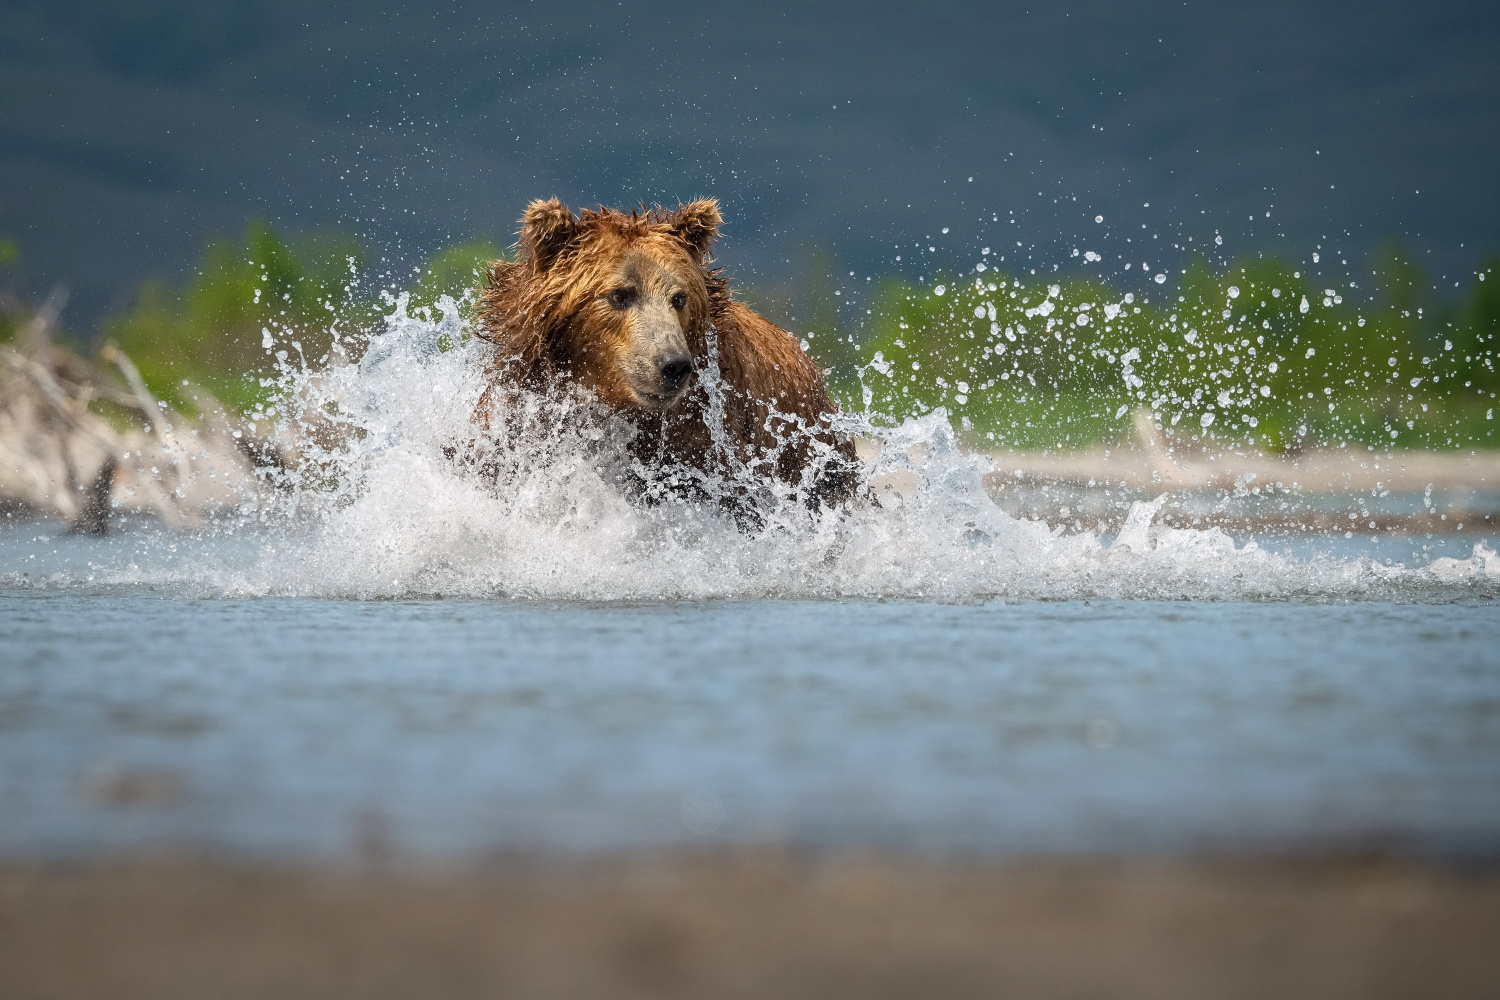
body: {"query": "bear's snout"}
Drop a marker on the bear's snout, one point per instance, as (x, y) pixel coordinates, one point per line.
(675, 371)
(670, 370)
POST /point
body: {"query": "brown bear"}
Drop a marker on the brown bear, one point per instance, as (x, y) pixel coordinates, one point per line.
(628, 308)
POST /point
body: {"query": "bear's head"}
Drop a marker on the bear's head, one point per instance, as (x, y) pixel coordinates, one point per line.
(616, 302)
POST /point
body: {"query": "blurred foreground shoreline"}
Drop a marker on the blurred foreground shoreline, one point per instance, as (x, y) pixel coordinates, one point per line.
(753, 923)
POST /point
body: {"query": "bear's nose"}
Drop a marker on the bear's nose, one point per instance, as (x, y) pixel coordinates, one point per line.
(674, 372)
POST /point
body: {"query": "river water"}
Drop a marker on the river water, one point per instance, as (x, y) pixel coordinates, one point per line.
(152, 714)
(382, 656)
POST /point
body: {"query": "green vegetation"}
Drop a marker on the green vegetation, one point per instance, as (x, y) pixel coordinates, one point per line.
(1255, 355)
(9, 315)
(453, 271)
(214, 331)
(262, 299)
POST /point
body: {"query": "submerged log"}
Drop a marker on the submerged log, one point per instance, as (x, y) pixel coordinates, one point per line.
(93, 516)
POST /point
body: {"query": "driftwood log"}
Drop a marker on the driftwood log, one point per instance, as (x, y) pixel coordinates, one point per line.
(61, 458)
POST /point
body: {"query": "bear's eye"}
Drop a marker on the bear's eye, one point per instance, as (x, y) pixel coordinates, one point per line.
(679, 301)
(621, 298)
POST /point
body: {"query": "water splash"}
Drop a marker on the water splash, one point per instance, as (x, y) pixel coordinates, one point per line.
(385, 502)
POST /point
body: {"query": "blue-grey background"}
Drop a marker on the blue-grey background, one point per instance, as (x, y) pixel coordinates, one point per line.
(132, 129)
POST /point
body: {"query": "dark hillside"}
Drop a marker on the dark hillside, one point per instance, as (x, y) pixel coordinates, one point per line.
(129, 131)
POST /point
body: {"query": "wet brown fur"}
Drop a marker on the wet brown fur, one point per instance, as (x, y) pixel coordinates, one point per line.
(552, 329)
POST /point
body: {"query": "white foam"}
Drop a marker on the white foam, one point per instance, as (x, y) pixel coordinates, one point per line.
(378, 510)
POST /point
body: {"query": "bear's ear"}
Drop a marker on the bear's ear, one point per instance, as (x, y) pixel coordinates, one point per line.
(696, 224)
(546, 228)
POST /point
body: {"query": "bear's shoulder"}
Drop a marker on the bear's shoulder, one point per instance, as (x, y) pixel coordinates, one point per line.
(767, 363)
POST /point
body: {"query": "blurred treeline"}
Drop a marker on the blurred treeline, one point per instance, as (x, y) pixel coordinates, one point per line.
(1258, 354)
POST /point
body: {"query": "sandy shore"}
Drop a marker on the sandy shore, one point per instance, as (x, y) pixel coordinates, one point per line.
(753, 924)
(1316, 491)
(1326, 470)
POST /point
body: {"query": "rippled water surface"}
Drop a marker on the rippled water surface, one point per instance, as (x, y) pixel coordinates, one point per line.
(332, 728)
